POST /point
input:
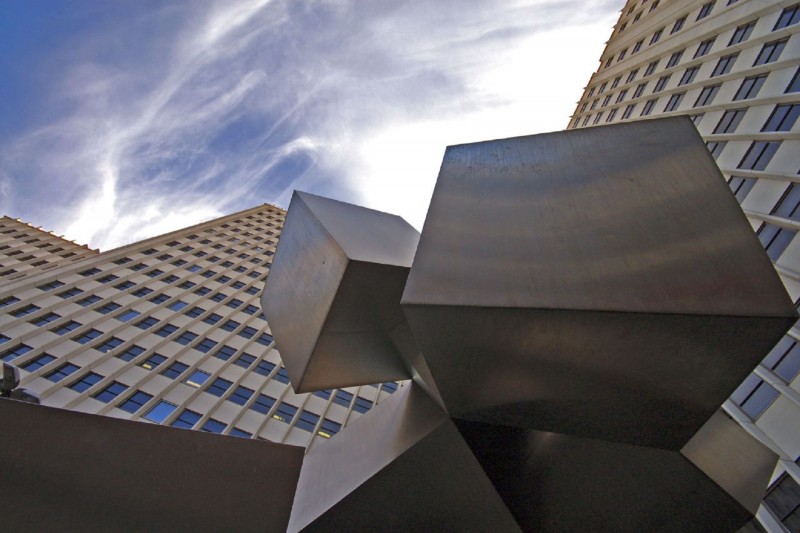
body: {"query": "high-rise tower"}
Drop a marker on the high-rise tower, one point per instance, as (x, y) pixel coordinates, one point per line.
(732, 67)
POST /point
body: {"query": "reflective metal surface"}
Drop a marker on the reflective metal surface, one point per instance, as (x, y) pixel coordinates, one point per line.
(584, 281)
(68, 471)
(333, 293)
(402, 467)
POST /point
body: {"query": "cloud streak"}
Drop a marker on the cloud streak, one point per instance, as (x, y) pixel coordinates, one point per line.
(240, 102)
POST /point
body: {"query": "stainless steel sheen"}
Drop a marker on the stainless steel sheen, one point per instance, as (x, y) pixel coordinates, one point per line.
(402, 467)
(69, 471)
(332, 296)
(584, 281)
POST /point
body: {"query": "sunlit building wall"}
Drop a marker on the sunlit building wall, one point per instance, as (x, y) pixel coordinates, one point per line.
(168, 330)
(732, 67)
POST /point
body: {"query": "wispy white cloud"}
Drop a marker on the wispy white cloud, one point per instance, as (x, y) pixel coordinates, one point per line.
(243, 101)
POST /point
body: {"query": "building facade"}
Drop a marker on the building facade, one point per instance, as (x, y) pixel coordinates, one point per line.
(168, 330)
(733, 68)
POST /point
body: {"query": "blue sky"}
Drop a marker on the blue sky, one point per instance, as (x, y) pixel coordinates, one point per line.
(123, 120)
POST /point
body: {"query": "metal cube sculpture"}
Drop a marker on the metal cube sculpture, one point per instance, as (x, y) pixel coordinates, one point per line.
(334, 290)
(579, 305)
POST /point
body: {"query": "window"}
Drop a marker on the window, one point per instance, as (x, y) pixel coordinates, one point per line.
(24, 311)
(172, 278)
(135, 402)
(621, 95)
(223, 279)
(127, 315)
(673, 102)
(389, 387)
(177, 262)
(186, 285)
(724, 65)
(651, 68)
(160, 412)
(124, 286)
(328, 428)
(750, 87)
(154, 273)
(111, 392)
(707, 95)
(193, 268)
(782, 118)
(770, 52)
(607, 99)
(794, 85)
(688, 75)
(166, 330)
(225, 352)
(730, 121)
(343, 398)
(716, 148)
(213, 426)
(788, 204)
(248, 332)
(159, 298)
(122, 260)
(69, 293)
(241, 395)
(611, 115)
(704, 47)
(250, 309)
(235, 303)
(252, 290)
(8, 300)
(754, 396)
(656, 36)
(263, 403)
(742, 33)
(789, 16)
(90, 272)
(218, 297)
(4, 338)
(185, 338)
(146, 322)
(197, 378)
(177, 305)
(137, 267)
(152, 362)
(174, 370)
(87, 336)
(45, 319)
(661, 83)
(705, 10)
(362, 405)
(144, 291)
(61, 372)
(131, 353)
(236, 432)
(307, 420)
(16, 351)
(85, 382)
(264, 368)
(208, 274)
(285, 412)
(108, 279)
(50, 286)
(244, 360)
(639, 90)
(265, 339)
(186, 420)
(759, 155)
(741, 186)
(66, 327)
(324, 394)
(775, 240)
(674, 58)
(219, 386)
(109, 344)
(621, 55)
(212, 319)
(35, 364)
(636, 47)
(281, 376)
(628, 111)
(648, 107)
(205, 345)
(784, 359)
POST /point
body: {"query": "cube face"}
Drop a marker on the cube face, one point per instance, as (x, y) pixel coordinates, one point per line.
(638, 378)
(334, 289)
(584, 281)
(631, 217)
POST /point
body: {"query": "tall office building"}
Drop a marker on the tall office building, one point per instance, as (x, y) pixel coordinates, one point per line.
(732, 67)
(167, 330)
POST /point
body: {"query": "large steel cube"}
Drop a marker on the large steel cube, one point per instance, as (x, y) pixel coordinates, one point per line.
(600, 282)
(332, 296)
